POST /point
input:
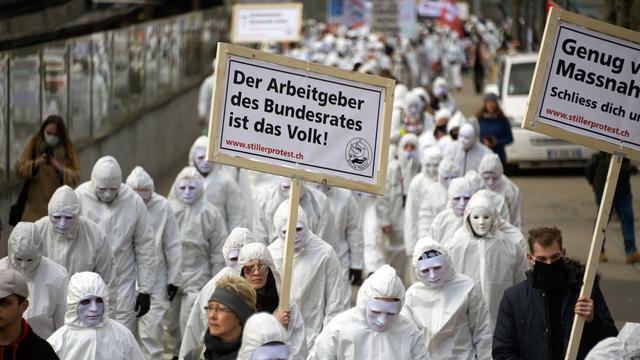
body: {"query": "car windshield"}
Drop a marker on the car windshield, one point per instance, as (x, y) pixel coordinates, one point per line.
(520, 78)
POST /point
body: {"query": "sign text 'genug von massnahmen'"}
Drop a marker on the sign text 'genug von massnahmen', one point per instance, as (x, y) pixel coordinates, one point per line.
(297, 118)
(592, 86)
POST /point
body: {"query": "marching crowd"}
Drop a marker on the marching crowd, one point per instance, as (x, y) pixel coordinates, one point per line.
(114, 270)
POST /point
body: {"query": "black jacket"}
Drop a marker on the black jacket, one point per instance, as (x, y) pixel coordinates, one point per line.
(28, 346)
(523, 326)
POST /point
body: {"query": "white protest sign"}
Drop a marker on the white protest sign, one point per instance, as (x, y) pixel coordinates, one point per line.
(586, 87)
(266, 22)
(292, 118)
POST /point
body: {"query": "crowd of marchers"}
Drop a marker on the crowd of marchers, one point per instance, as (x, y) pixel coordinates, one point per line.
(111, 269)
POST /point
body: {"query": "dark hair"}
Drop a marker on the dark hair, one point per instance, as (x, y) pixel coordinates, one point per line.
(483, 110)
(545, 236)
(21, 299)
(61, 130)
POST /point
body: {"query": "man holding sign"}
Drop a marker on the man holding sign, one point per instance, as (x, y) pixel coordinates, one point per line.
(536, 315)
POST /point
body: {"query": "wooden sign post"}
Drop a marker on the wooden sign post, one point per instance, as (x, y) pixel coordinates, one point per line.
(301, 120)
(577, 98)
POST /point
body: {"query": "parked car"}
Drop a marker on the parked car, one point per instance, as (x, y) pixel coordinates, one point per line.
(530, 149)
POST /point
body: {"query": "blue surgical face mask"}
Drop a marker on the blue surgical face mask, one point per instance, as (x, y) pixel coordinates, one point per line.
(51, 140)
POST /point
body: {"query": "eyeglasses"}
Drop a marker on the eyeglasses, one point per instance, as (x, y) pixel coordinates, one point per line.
(250, 269)
(218, 309)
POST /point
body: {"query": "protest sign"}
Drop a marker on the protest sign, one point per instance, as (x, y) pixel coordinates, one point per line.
(297, 119)
(266, 22)
(585, 90)
(586, 86)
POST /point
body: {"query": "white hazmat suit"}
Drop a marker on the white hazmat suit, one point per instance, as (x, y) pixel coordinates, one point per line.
(409, 158)
(436, 197)
(492, 172)
(494, 260)
(82, 246)
(449, 220)
(162, 222)
(451, 314)
(316, 284)
(261, 329)
(350, 336)
(108, 340)
(47, 281)
(125, 221)
(467, 151)
(608, 349)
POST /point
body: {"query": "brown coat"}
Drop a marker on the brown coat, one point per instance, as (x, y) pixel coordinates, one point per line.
(46, 179)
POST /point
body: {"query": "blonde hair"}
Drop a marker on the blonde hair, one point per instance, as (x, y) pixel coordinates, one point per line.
(241, 287)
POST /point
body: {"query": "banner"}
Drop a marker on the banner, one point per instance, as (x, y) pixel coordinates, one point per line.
(266, 22)
(292, 118)
(586, 86)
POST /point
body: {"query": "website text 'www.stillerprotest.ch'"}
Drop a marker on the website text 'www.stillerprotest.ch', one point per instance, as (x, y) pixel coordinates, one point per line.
(265, 149)
(579, 119)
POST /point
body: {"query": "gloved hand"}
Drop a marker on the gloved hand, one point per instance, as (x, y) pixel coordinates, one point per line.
(355, 276)
(172, 290)
(143, 303)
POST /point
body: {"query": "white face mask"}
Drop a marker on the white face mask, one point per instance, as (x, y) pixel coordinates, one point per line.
(466, 136)
(459, 203)
(271, 352)
(28, 261)
(91, 310)
(51, 140)
(381, 314)
(107, 195)
(408, 154)
(201, 162)
(145, 195)
(232, 258)
(433, 270)
(441, 91)
(490, 179)
(481, 221)
(285, 187)
(189, 190)
(431, 169)
(62, 221)
(301, 236)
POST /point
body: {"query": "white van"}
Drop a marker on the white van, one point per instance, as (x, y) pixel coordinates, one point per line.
(530, 149)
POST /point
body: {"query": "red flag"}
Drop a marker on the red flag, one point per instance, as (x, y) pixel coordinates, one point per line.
(551, 4)
(450, 16)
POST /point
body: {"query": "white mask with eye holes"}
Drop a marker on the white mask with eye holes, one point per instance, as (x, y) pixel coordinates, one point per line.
(232, 259)
(459, 203)
(62, 222)
(91, 310)
(490, 179)
(433, 270)
(107, 194)
(481, 221)
(28, 261)
(300, 238)
(145, 195)
(275, 351)
(380, 314)
(466, 136)
(200, 161)
(431, 169)
(189, 190)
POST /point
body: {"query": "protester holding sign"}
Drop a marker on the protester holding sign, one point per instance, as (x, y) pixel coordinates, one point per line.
(536, 315)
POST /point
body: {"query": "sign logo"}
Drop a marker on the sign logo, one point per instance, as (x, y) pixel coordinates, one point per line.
(358, 154)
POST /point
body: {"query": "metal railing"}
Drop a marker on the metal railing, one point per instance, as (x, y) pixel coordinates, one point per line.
(101, 81)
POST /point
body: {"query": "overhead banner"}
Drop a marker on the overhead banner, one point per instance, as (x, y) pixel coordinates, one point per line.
(586, 86)
(293, 118)
(266, 22)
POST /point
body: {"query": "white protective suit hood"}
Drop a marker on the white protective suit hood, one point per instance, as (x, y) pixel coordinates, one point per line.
(443, 114)
(236, 240)
(261, 328)
(201, 144)
(81, 285)
(408, 139)
(607, 349)
(281, 216)
(258, 251)
(630, 335)
(400, 94)
(423, 94)
(382, 283)
(190, 173)
(440, 85)
(491, 163)
(413, 108)
(140, 179)
(448, 170)
(65, 200)
(425, 244)
(25, 242)
(106, 173)
(481, 200)
(431, 159)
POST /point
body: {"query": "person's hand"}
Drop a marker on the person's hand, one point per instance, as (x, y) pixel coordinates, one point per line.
(41, 160)
(584, 308)
(143, 303)
(172, 290)
(356, 276)
(283, 316)
(55, 163)
(386, 229)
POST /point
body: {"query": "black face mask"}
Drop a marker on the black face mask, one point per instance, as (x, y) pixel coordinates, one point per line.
(549, 276)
